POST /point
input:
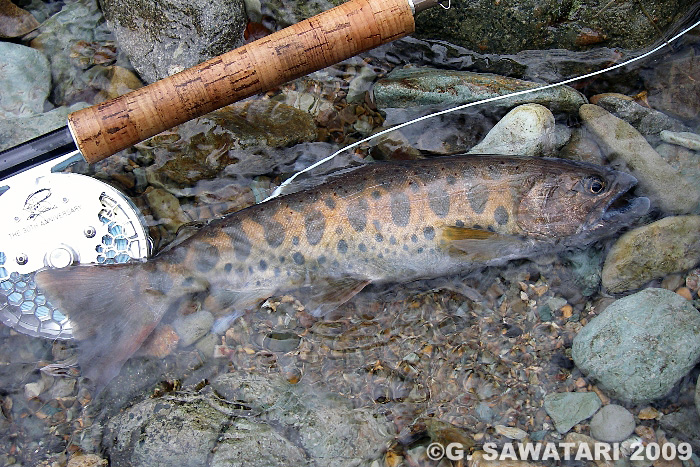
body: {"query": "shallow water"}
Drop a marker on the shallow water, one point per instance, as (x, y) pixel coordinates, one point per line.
(475, 351)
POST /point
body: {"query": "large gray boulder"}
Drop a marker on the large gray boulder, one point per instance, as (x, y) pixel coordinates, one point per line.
(162, 37)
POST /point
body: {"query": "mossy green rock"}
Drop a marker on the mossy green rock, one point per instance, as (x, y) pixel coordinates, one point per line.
(640, 346)
(566, 409)
(410, 87)
(666, 246)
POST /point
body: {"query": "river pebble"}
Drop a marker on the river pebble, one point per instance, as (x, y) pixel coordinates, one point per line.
(640, 345)
(612, 423)
(25, 80)
(566, 409)
(15, 21)
(622, 144)
(683, 138)
(527, 130)
(666, 246)
(410, 87)
(647, 121)
(18, 130)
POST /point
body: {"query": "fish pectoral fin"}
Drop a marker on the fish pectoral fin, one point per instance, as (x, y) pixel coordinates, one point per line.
(483, 245)
(325, 296)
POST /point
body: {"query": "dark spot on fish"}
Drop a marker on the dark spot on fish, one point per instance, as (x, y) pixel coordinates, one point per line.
(419, 250)
(429, 233)
(263, 265)
(357, 214)
(315, 225)
(478, 227)
(160, 282)
(175, 256)
(250, 269)
(405, 247)
(414, 238)
(451, 180)
(377, 225)
(490, 228)
(295, 240)
(321, 259)
(335, 264)
(188, 282)
(239, 239)
(380, 256)
(342, 247)
(228, 267)
(413, 186)
(282, 259)
(376, 194)
(500, 215)
(379, 237)
(392, 240)
(478, 196)
(274, 233)
(278, 271)
(339, 231)
(459, 224)
(298, 258)
(439, 201)
(207, 257)
(400, 209)
(330, 202)
(257, 283)
(362, 247)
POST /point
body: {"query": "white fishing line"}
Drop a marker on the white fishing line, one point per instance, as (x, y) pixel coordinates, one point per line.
(278, 190)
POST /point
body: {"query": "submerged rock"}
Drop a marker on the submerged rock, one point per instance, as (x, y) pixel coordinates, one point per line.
(15, 21)
(410, 87)
(164, 37)
(622, 144)
(498, 27)
(80, 48)
(566, 409)
(640, 346)
(682, 138)
(666, 246)
(236, 139)
(647, 121)
(253, 420)
(613, 423)
(25, 80)
(527, 130)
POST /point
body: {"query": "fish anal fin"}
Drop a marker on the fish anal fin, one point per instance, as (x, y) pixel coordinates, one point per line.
(325, 296)
(483, 246)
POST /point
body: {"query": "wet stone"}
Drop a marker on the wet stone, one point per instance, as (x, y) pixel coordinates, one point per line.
(410, 87)
(613, 423)
(25, 79)
(569, 408)
(640, 345)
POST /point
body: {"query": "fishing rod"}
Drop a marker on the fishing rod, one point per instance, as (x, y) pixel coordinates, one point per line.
(51, 219)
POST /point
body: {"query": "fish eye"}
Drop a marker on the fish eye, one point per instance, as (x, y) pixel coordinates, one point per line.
(594, 184)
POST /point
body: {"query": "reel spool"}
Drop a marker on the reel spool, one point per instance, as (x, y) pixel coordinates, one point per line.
(57, 220)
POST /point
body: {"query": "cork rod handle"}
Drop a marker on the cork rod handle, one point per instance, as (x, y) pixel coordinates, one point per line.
(325, 39)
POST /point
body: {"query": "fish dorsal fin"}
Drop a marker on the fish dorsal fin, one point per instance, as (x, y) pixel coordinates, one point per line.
(326, 295)
(483, 246)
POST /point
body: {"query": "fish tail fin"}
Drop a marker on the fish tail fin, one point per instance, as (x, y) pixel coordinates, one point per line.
(112, 309)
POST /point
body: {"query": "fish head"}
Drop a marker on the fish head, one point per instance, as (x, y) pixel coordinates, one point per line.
(578, 202)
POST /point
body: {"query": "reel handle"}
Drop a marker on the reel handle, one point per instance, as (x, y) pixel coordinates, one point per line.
(320, 41)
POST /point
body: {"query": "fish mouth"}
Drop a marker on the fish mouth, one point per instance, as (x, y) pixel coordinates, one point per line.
(621, 210)
(624, 207)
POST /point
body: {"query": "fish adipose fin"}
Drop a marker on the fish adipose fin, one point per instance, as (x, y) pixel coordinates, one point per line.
(325, 296)
(112, 308)
(483, 246)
